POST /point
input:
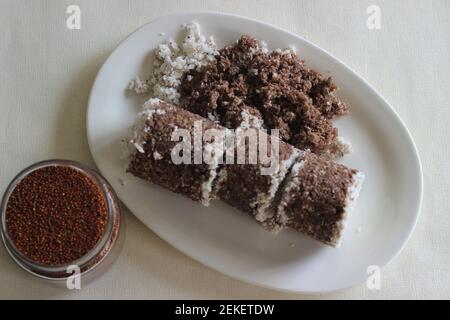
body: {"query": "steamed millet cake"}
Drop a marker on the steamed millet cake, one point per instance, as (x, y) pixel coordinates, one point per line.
(252, 184)
(246, 86)
(302, 191)
(276, 86)
(318, 197)
(151, 146)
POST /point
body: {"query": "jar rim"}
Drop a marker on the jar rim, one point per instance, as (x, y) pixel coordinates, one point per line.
(46, 271)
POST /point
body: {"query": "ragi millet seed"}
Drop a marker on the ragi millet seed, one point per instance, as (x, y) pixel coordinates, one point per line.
(56, 215)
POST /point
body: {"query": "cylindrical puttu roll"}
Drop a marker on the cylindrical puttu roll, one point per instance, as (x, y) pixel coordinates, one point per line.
(252, 181)
(157, 150)
(285, 187)
(318, 197)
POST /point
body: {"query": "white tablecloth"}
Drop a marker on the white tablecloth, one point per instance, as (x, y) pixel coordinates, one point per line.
(46, 72)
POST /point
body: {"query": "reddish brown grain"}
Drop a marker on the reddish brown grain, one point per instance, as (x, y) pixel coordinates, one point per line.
(56, 215)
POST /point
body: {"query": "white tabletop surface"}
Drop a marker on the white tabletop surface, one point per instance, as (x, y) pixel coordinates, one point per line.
(46, 72)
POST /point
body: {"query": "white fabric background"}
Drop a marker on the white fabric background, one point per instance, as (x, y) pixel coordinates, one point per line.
(46, 72)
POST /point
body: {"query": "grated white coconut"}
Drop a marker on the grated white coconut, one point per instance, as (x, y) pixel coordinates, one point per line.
(139, 86)
(157, 155)
(264, 200)
(292, 181)
(350, 202)
(214, 151)
(172, 60)
(250, 121)
(136, 137)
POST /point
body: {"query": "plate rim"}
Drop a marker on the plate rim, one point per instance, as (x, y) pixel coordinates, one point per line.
(387, 106)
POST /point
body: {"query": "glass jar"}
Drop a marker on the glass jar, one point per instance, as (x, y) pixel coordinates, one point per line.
(97, 260)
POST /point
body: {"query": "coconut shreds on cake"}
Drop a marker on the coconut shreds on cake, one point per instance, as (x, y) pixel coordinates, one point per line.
(172, 61)
(246, 186)
(318, 197)
(151, 144)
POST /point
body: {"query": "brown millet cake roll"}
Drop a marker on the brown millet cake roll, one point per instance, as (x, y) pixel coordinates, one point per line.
(247, 84)
(150, 146)
(251, 185)
(318, 197)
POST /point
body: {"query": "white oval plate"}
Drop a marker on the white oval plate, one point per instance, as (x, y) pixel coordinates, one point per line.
(230, 241)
